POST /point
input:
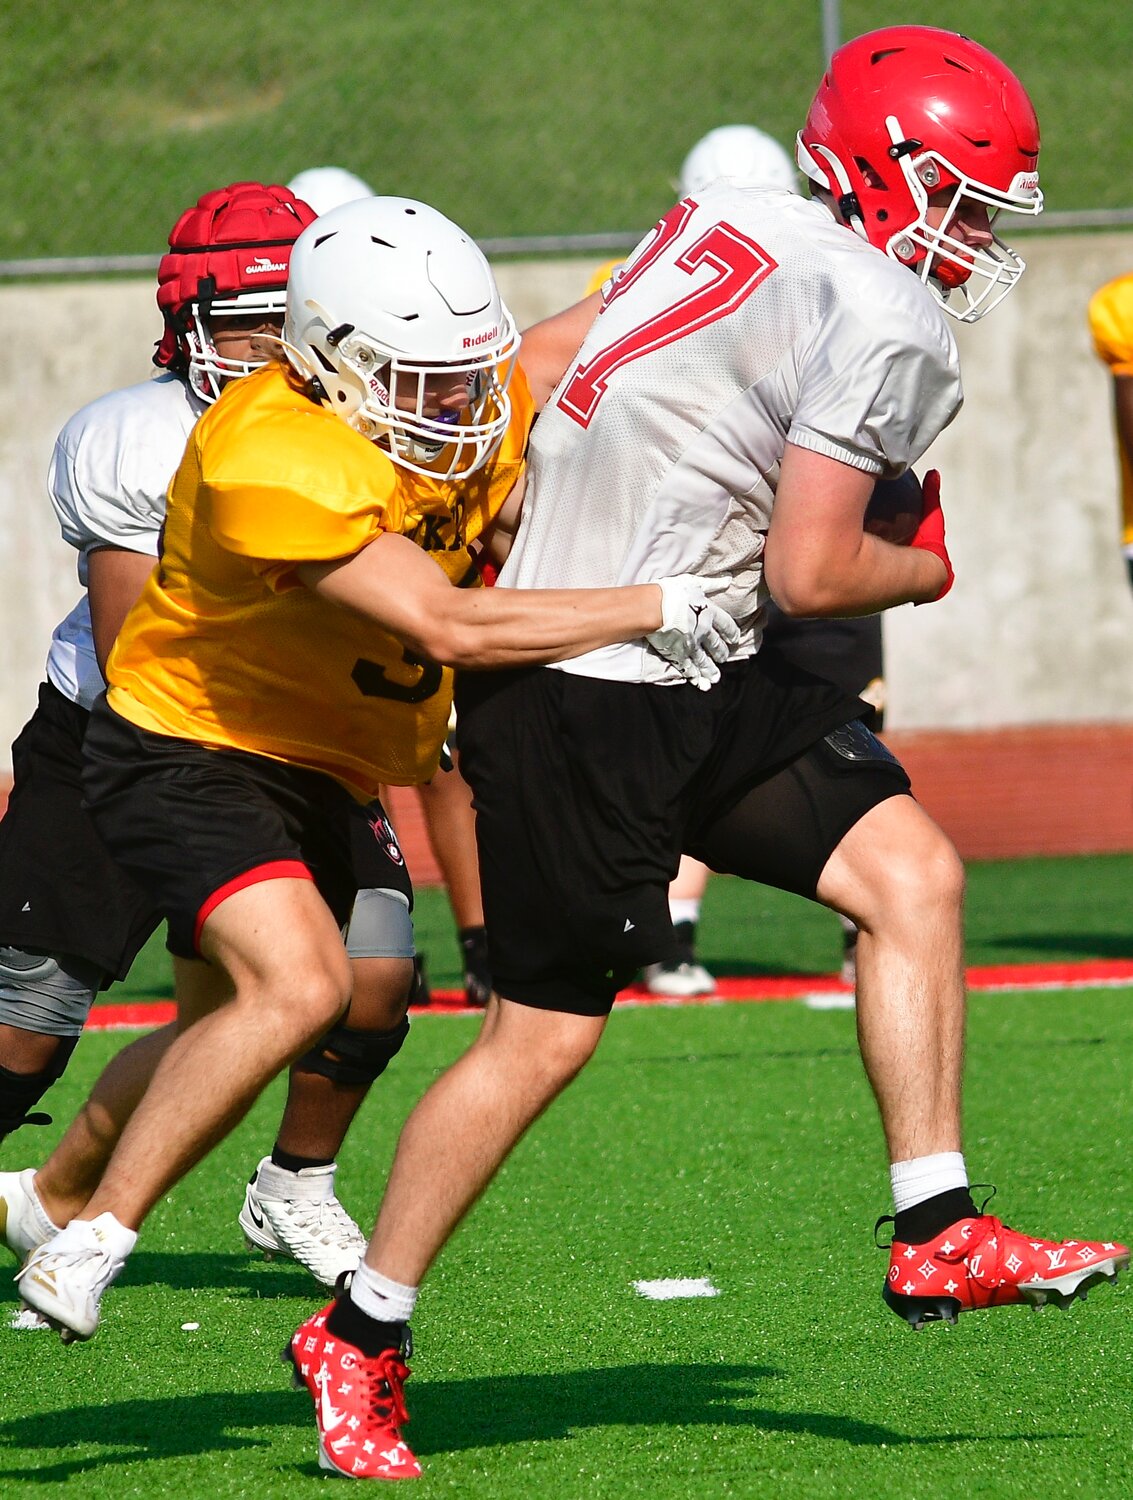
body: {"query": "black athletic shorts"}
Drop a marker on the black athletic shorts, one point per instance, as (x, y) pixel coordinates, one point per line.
(588, 791)
(60, 890)
(197, 824)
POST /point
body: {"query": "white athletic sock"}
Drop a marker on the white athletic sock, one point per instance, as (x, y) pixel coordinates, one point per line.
(107, 1231)
(684, 909)
(925, 1176)
(44, 1222)
(380, 1298)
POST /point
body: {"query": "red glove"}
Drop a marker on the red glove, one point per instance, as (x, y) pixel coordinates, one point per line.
(929, 535)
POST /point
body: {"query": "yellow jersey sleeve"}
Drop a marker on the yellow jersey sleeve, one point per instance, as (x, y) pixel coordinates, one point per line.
(291, 487)
(1111, 324)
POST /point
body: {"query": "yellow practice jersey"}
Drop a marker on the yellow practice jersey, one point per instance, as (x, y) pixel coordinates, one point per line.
(226, 647)
(1111, 323)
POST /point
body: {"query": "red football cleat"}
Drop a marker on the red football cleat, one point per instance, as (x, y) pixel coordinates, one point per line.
(980, 1262)
(359, 1404)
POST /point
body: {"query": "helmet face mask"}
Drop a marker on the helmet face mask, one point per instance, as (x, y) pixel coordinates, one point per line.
(391, 306)
(907, 115)
(228, 258)
(208, 369)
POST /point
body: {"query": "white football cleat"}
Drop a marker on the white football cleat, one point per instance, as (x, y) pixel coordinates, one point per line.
(297, 1214)
(64, 1279)
(24, 1224)
(679, 981)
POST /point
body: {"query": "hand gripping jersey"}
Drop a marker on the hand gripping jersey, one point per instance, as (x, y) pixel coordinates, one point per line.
(1111, 324)
(746, 319)
(226, 647)
(109, 472)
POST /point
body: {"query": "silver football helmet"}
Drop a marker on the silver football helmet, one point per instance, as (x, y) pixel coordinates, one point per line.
(385, 296)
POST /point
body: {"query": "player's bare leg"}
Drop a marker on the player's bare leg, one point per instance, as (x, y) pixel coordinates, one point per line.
(279, 946)
(291, 1206)
(466, 1124)
(66, 1180)
(900, 879)
(319, 1110)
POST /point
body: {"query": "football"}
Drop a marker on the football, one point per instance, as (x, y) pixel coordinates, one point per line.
(895, 508)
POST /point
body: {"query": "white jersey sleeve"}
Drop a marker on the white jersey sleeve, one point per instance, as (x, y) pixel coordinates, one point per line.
(108, 476)
(748, 319)
(113, 462)
(878, 376)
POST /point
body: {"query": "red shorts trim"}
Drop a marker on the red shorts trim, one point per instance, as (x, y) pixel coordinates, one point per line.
(276, 869)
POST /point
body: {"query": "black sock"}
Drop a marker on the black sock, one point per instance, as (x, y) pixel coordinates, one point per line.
(289, 1163)
(685, 934)
(924, 1221)
(348, 1321)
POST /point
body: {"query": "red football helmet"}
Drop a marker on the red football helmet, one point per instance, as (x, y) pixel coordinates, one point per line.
(909, 111)
(228, 256)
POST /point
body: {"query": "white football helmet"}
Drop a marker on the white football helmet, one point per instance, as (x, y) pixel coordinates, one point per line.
(324, 188)
(383, 295)
(742, 153)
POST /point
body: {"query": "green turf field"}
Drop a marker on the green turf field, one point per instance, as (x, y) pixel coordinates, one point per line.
(735, 1143)
(515, 119)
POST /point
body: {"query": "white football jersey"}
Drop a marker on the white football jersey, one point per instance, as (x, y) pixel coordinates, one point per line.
(109, 472)
(746, 319)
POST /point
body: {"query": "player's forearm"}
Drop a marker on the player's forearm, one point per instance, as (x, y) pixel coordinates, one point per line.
(874, 576)
(396, 584)
(526, 627)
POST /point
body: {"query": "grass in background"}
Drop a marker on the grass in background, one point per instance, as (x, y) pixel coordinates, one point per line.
(515, 119)
(736, 1143)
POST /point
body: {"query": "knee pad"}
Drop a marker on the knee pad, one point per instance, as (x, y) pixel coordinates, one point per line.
(345, 1055)
(19, 1091)
(47, 992)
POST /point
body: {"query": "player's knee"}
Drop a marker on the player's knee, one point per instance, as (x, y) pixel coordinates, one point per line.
(564, 1049)
(380, 992)
(305, 1003)
(920, 879)
(352, 1057)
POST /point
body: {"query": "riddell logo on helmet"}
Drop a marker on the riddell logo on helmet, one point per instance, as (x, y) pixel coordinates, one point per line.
(262, 264)
(489, 336)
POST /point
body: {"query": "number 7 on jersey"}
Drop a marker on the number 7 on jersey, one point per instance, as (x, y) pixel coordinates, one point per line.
(739, 265)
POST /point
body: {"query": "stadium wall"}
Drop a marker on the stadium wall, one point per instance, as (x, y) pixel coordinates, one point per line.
(1035, 638)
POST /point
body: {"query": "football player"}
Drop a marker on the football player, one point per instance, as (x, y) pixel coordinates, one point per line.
(70, 920)
(292, 652)
(848, 652)
(758, 364)
(1111, 324)
(446, 801)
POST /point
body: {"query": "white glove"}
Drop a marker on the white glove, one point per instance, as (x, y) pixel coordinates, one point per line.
(695, 635)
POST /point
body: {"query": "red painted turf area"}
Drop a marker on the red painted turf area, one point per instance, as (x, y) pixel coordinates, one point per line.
(1084, 975)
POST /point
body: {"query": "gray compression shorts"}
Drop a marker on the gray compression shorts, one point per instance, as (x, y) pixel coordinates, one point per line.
(45, 994)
